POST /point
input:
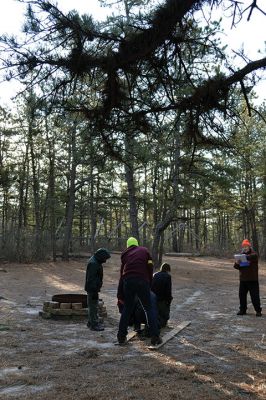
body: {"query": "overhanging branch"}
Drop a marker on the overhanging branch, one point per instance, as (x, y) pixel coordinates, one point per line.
(207, 96)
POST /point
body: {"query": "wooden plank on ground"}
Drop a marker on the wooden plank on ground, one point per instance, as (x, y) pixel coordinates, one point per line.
(130, 336)
(168, 336)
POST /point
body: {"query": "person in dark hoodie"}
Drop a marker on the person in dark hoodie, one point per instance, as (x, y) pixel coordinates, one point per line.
(249, 281)
(93, 284)
(162, 286)
(136, 275)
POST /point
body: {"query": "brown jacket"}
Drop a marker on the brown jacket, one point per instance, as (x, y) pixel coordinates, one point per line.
(249, 273)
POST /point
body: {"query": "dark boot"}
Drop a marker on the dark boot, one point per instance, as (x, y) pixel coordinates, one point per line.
(241, 312)
(97, 328)
(155, 340)
(121, 338)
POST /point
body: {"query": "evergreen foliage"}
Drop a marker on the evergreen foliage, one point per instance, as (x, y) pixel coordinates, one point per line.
(136, 125)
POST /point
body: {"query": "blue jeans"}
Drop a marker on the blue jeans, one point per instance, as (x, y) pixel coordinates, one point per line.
(133, 287)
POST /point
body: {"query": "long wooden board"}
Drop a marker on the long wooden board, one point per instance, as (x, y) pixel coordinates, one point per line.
(168, 336)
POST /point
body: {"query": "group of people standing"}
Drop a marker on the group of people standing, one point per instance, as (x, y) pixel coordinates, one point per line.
(144, 297)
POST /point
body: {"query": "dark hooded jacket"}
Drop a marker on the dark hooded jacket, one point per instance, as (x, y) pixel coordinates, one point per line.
(249, 272)
(162, 286)
(94, 272)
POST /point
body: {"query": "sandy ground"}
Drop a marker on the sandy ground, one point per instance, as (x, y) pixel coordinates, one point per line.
(219, 356)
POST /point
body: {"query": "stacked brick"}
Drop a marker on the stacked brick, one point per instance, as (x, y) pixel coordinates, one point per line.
(60, 310)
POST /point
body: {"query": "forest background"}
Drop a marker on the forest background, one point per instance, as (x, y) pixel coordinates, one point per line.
(141, 124)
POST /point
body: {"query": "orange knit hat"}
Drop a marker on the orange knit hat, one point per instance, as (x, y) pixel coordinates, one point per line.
(246, 243)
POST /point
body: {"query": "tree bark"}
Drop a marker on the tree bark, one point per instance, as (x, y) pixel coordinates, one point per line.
(129, 175)
(264, 205)
(35, 186)
(51, 189)
(168, 215)
(70, 203)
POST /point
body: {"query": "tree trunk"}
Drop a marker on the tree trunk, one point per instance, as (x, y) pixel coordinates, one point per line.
(254, 233)
(171, 212)
(93, 201)
(197, 228)
(23, 187)
(174, 228)
(70, 204)
(36, 192)
(51, 189)
(264, 206)
(145, 209)
(129, 175)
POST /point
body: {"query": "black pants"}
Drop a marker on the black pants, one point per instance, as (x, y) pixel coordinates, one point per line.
(133, 287)
(253, 288)
(92, 299)
(163, 312)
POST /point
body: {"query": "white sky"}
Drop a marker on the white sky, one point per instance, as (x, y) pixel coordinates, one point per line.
(12, 12)
(247, 34)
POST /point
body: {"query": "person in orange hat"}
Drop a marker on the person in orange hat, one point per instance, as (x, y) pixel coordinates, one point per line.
(248, 277)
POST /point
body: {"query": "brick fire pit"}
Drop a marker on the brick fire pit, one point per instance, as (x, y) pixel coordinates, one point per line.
(70, 306)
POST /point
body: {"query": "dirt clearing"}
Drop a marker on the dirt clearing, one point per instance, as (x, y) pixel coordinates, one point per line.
(218, 356)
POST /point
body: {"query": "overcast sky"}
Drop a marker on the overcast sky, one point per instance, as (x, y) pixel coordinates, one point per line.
(250, 34)
(12, 12)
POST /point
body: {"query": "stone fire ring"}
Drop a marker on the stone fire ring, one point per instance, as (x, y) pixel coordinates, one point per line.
(71, 298)
(69, 305)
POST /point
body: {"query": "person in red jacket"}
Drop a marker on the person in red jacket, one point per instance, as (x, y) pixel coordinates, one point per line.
(136, 275)
(249, 281)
